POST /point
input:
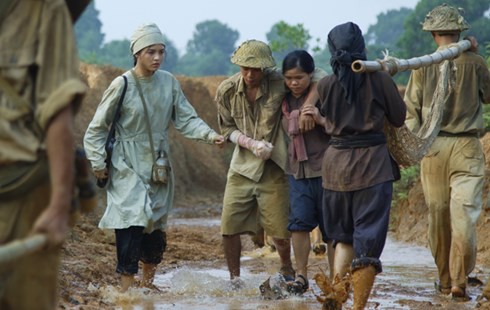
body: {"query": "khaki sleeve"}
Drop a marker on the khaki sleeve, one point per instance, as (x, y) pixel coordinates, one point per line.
(318, 74)
(413, 100)
(226, 121)
(58, 82)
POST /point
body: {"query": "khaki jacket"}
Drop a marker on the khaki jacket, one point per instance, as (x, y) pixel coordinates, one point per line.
(463, 113)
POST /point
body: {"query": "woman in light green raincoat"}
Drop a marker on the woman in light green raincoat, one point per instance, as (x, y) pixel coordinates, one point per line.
(137, 207)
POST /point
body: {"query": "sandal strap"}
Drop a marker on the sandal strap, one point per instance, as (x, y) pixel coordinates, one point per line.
(305, 280)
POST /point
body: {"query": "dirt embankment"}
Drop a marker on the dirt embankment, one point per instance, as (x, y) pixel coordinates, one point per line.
(89, 255)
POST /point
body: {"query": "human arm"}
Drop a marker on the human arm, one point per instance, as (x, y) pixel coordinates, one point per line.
(474, 43)
(413, 100)
(484, 81)
(95, 137)
(315, 114)
(228, 124)
(395, 108)
(218, 140)
(306, 120)
(54, 220)
(261, 149)
(187, 121)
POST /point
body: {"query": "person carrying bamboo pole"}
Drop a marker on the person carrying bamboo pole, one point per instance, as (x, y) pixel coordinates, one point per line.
(452, 171)
(357, 169)
(40, 89)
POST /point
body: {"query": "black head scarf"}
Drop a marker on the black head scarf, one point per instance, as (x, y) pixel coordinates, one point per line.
(346, 45)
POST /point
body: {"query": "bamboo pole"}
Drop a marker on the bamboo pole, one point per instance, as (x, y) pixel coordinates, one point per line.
(394, 65)
(16, 249)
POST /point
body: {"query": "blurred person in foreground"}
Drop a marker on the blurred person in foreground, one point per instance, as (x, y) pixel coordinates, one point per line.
(138, 201)
(452, 171)
(357, 170)
(40, 90)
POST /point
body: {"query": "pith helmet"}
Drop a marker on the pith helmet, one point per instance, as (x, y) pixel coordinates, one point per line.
(253, 54)
(445, 18)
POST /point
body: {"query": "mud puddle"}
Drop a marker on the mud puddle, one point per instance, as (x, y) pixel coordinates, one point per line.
(406, 283)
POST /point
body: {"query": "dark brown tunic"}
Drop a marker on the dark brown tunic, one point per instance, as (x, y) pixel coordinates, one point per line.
(351, 169)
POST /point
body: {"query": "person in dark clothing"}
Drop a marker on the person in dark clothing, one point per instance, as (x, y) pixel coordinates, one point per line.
(357, 169)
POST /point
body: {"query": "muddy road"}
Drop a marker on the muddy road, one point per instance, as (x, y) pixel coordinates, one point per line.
(194, 276)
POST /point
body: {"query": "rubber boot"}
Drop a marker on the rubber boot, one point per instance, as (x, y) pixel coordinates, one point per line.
(362, 281)
(343, 256)
(486, 291)
(149, 271)
(126, 282)
(330, 258)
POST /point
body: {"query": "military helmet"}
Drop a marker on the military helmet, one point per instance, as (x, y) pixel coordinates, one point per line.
(445, 18)
(253, 54)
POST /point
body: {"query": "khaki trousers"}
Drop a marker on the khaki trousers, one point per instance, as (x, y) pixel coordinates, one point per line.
(452, 175)
(30, 282)
(248, 205)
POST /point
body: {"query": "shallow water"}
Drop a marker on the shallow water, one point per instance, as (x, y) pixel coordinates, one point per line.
(405, 283)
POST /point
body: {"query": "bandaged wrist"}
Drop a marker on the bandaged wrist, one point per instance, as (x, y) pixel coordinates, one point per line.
(239, 138)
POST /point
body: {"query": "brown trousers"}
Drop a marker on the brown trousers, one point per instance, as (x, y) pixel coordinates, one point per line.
(452, 175)
(30, 282)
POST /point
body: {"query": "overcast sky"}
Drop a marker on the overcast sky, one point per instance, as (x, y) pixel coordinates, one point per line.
(251, 18)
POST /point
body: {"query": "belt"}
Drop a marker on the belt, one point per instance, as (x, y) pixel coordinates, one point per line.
(459, 134)
(357, 141)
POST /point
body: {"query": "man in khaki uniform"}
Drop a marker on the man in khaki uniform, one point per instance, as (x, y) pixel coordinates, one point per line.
(256, 194)
(40, 89)
(452, 172)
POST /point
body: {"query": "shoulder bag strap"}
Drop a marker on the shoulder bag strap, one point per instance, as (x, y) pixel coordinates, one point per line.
(148, 124)
(117, 114)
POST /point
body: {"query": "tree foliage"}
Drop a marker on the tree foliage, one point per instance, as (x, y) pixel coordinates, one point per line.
(388, 27)
(116, 53)
(209, 50)
(284, 38)
(88, 34)
(385, 34)
(415, 42)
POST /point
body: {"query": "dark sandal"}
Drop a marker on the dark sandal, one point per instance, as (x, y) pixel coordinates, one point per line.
(298, 286)
(288, 273)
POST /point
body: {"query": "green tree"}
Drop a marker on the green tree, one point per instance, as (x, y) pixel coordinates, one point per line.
(284, 38)
(117, 53)
(322, 59)
(416, 42)
(88, 34)
(487, 49)
(388, 27)
(385, 34)
(209, 50)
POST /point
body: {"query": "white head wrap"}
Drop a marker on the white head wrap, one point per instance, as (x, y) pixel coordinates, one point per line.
(145, 35)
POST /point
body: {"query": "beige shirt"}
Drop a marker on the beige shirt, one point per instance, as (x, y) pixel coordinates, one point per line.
(463, 111)
(39, 59)
(258, 121)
